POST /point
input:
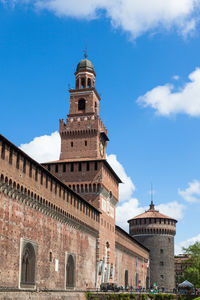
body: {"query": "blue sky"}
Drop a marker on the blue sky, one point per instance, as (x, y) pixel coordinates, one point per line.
(146, 57)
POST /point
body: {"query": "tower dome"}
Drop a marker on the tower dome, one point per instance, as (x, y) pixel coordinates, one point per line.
(156, 232)
(85, 65)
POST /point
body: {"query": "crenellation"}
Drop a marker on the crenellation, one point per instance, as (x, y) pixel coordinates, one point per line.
(24, 167)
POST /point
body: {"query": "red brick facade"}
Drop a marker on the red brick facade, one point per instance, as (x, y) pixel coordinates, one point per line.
(60, 217)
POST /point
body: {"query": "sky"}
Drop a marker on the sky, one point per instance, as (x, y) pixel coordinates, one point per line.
(146, 58)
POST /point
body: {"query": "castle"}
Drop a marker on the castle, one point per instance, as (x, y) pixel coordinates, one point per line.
(57, 219)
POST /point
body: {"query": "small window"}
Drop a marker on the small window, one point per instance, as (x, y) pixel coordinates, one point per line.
(161, 251)
(81, 104)
(36, 174)
(88, 166)
(72, 167)
(162, 276)
(50, 256)
(72, 144)
(30, 170)
(80, 167)
(64, 167)
(96, 166)
(24, 166)
(161, 263)
(85, 143)
(10, 156)
(56, 168)
(17, 161)
(3, 151)
(41, 178)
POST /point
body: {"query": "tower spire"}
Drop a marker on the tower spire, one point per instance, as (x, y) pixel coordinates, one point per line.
(152, 204)
(85, 52)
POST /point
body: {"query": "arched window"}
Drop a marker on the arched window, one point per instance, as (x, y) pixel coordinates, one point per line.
(28, 265)
(70, 272)
(81, 104)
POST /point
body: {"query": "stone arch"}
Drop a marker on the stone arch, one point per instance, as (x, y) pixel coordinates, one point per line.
(2, 177)
(10, 182)
(28, 263)
(70, 271)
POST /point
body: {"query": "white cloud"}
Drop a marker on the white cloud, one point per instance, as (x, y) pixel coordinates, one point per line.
(131, 208)
(192, 193)
(127, 211)
(175, 77)
(135, 17)
(172, 209)
(127, 187)
(187, 243)
(44, 148)
(47, 148)
(166, 101)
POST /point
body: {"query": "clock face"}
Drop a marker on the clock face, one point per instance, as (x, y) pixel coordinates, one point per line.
(101, 148)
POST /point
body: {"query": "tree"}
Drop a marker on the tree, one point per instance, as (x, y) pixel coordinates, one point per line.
(192, 271)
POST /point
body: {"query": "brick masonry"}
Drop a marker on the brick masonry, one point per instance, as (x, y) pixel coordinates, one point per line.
(62, 208)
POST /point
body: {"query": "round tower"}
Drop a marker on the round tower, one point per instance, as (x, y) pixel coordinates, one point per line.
(156, 232)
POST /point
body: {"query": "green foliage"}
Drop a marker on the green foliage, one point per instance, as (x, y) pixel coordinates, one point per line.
(192, 272)
(127, 296)
(142, 296)
(180, 297)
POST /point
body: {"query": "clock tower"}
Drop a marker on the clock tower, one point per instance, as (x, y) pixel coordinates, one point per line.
(84, 134)
(83, 166)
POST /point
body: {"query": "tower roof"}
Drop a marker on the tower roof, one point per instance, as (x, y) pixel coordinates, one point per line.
(85, 65)
(152, 213)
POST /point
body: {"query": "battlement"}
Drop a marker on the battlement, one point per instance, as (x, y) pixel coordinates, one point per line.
(24, 176)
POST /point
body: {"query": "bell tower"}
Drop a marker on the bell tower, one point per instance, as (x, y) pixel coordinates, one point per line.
(84, 134)
(83, 166)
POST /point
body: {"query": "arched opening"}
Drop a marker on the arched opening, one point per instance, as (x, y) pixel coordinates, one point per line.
(126, 278)
(28, 265)
(81, 104)
(70, 272)
(89, 83)
(82, 82)
(95, 106)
